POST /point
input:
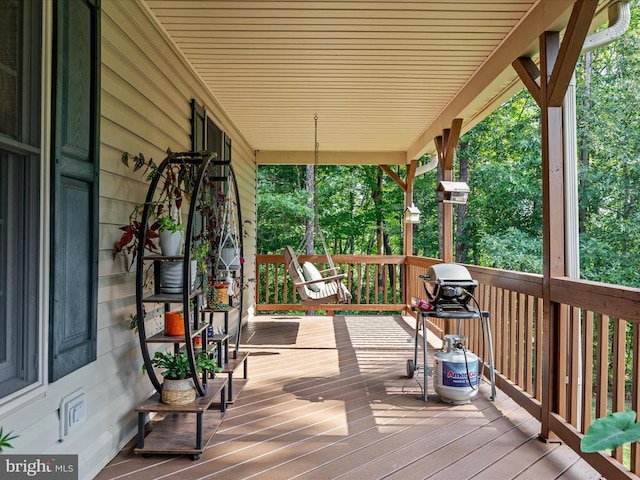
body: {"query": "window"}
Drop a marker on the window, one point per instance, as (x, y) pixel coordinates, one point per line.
(20, 47)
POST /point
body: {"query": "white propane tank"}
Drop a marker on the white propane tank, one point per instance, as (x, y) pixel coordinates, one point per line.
(452, 382)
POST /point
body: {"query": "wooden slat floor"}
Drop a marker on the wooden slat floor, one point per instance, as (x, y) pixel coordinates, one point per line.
(328, 398)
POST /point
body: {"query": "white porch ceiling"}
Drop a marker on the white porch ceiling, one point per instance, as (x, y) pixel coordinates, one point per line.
(383, 77)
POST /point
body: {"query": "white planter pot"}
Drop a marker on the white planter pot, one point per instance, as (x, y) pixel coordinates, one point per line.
(170, 243)
(171, 276)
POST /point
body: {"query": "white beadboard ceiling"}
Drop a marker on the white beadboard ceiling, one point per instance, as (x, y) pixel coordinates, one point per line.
(384, 77)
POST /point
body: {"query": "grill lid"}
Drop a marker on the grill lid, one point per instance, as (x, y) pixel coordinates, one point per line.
(449, 285)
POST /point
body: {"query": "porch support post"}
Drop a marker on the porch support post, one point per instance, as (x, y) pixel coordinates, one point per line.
(446, 149)
(407, 186)
(548, 87)
(408, 200)
(552, 229)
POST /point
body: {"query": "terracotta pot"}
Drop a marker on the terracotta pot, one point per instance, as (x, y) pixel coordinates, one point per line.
(174, 323)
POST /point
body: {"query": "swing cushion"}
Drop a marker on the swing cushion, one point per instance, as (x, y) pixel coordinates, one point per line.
(310, 272)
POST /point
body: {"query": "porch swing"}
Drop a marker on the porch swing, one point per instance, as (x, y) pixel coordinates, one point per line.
(314, 286)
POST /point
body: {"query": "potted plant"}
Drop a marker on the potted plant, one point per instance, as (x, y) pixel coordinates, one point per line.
(165, 224)
(170, 234)
(5, 438)
(165, 209)
(177, 387)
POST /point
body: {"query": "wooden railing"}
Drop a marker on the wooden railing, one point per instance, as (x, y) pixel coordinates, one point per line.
(565, 375)
(592, 362)
(375, 283)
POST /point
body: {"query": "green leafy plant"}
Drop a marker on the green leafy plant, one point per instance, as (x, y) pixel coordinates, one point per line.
(175, 186)
(167, 222)
(176, 367)
(133, 322)
(5, 438)
(608, 433)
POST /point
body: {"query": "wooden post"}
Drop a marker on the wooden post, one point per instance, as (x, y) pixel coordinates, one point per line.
(408, 231)
(407, 186)
(408, 200)
(548, 87)
(446, 149)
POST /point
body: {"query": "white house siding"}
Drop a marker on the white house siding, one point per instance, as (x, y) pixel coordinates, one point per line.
(145, 107)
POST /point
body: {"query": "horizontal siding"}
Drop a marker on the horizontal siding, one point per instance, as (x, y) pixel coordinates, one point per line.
(147, 90)
(145, 107)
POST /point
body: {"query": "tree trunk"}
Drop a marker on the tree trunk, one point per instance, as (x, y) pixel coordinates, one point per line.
(377, 201)
(391, 273)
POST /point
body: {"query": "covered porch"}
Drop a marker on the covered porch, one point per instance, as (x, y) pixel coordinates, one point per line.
(395, 84)
(563, 373)
(328, 398)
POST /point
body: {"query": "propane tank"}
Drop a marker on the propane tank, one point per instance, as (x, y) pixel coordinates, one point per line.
(456, 372)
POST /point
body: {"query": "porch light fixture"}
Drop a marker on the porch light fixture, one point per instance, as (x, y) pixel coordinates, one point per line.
(412, 214)
(453, 192)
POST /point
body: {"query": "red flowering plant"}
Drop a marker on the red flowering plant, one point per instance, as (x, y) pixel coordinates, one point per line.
(165, 209)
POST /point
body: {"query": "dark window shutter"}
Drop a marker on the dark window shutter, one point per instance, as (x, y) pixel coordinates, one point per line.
(75, 195)
(198, 116)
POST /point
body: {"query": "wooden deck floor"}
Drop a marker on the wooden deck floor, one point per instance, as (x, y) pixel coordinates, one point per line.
(328, 398)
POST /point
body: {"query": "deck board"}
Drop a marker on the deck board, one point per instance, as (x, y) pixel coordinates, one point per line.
(328, 398)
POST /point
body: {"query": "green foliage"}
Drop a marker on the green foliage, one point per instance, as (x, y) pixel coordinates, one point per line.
(350, 204)
(503, 227)
(5, 439)
(168, 223)
(608, 433)
(512, 249)
(176, 367)
(609, 144)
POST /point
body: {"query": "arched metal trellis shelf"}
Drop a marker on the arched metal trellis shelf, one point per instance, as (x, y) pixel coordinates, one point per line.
(192, 178)
(227, 270)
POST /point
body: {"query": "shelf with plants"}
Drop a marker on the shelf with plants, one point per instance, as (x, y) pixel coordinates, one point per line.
(162, 244)
(206, 253)
(172, 183)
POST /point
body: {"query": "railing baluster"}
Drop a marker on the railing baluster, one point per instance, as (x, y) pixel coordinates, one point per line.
(602, 365)
(563, 359)
(574, 376)
(274, 281)
(522, 341)
(619, 342)
(588, 354)
(538, 323)
(513, 335)
(530, 344)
